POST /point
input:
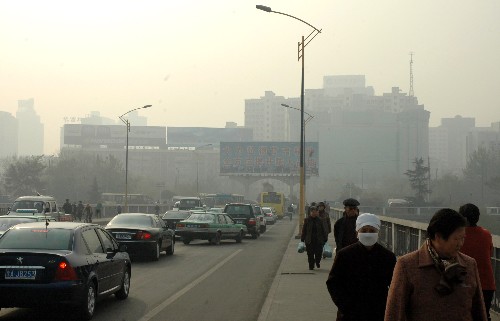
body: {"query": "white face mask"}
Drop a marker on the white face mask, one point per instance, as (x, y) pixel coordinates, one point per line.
(368, 239)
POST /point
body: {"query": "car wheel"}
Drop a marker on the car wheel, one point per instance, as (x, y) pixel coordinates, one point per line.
(88, 306)
(171, 249)
(156, 254)
(239, 238)
(255, 235)
(217, 238)
(186, 241)
(122, 294)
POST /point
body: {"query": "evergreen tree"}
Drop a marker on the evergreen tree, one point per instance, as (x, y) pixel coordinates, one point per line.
(419, 179)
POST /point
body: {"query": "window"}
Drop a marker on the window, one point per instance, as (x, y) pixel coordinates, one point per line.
(107, 241)
(221, 219)
(92, 241)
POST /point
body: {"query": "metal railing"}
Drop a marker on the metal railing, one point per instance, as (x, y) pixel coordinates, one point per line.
(403, 236)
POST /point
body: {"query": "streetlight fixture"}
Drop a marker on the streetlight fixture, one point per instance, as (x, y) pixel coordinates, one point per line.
(301, 46)
(127, 124)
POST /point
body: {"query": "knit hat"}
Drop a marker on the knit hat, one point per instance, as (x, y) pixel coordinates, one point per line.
(367, 219)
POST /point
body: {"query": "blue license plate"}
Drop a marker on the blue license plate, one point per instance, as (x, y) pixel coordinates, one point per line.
(20, 274)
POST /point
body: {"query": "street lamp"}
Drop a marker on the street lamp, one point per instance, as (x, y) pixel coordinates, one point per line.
(301, 46)
(127, 124)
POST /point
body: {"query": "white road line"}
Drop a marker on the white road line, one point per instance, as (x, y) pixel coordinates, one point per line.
(188, 287)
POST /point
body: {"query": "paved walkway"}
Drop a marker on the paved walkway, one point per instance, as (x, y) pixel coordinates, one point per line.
(298, 294)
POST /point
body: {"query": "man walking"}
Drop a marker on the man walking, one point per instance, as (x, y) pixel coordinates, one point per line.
(314, 235)
(361, 274)
(344, 229)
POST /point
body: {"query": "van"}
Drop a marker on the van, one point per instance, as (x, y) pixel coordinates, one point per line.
(36, 205)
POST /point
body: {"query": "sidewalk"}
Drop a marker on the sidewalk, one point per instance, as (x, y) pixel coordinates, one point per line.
(298, 294)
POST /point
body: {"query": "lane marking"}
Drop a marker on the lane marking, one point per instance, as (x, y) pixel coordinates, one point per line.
(188, 287)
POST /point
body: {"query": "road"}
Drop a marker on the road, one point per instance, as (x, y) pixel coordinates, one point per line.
(199, 282)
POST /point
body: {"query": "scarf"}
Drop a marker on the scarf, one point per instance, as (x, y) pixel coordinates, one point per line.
(451, 271)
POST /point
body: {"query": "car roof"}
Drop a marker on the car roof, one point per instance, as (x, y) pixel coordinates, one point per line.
(147, 214)
(26, 216)
(36, 198)
(60, 225)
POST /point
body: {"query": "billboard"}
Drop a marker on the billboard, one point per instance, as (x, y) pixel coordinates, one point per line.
(267, 158)
(114, 135)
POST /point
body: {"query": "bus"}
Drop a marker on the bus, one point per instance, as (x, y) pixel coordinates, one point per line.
(119, 198)
(273, 199)
(220, 200)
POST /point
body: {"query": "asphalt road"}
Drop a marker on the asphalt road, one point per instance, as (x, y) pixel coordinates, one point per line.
(199, 282)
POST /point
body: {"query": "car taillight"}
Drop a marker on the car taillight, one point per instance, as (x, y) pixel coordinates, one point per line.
(65, 272)
(252, 221)
(141, 235)
(204, 225)
(179, 225)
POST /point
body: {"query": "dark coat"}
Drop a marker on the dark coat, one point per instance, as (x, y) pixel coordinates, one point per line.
(339, 230)
(321, 235)
(412, 296)
(359, 282)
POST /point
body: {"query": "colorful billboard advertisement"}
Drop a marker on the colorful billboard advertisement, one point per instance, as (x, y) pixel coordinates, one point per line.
(267, 158)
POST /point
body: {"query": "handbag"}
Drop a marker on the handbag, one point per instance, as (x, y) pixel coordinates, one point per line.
(301, 247)
(327, 250)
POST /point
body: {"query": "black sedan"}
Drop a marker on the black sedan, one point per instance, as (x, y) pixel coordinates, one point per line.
(61, 263)
(144, 234)
(171, 218)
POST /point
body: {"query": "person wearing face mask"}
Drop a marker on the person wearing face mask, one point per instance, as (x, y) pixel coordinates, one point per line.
(361, 274)
(437, 282)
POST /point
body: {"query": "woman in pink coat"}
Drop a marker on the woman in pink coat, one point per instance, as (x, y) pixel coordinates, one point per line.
(437, 282)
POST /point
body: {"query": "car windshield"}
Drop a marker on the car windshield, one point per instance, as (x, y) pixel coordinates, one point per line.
(24, 205)
(37, 239)
(202, 217)
(266, 210)
(238, 209)
(133, 220)
(6, 221)
(176, 215)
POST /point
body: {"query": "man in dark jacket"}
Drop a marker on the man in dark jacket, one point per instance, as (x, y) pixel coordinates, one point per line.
(67, 208)
(325, 216)
(361, 274)
(344, 229)
(314, 235)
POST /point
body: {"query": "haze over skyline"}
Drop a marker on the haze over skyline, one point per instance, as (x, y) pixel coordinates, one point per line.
(197, 61)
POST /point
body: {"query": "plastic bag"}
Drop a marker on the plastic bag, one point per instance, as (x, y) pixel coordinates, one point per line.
(301, 247)
(327, 250)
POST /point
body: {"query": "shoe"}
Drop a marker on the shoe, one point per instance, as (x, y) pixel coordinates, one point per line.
(311, 267)
(317, 265)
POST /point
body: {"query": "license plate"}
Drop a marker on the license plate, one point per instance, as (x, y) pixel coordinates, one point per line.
(19, 274)
(123, 236)
(240, 222)
(192, 225)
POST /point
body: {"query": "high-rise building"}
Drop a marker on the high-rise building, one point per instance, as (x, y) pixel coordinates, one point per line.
(268, 118)
(31, 130)
(447, 144)
(483, 137)
(8, 134)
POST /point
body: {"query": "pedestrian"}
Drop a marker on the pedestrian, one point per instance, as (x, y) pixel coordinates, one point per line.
(361, 274)
(327, 208)
(314, 235)
(79, 211)
(67, 208)
(437, 282)
(324, 216)
(88, 213)
(478, 244)
(157, 208)
(344, 230)
(119, 209)
(98, 210)
(73, 209)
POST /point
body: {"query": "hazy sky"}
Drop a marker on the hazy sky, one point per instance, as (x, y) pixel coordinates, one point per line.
(196, 61)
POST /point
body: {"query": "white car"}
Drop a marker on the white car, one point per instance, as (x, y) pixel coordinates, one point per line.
(271, 217)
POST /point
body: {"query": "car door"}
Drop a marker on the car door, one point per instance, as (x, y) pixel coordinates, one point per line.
(116, 262)
(165, 233)
(222, 225)
(232, 229)
(98, 260)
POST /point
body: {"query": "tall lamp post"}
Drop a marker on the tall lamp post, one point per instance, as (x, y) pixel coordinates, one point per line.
(301, 46)
(127, 124)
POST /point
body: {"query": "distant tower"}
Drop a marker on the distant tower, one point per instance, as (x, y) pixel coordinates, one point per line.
(411, 93)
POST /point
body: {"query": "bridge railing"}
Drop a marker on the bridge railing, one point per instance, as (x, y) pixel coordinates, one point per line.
(403, 236)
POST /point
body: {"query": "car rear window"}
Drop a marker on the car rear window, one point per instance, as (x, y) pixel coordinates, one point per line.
(132, 220)
(6, 222)
(238, 210)
(176, 215)
(202, 217)
(37, 239)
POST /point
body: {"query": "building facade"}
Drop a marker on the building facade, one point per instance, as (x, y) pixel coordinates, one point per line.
(30, 130)
(8, 135)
